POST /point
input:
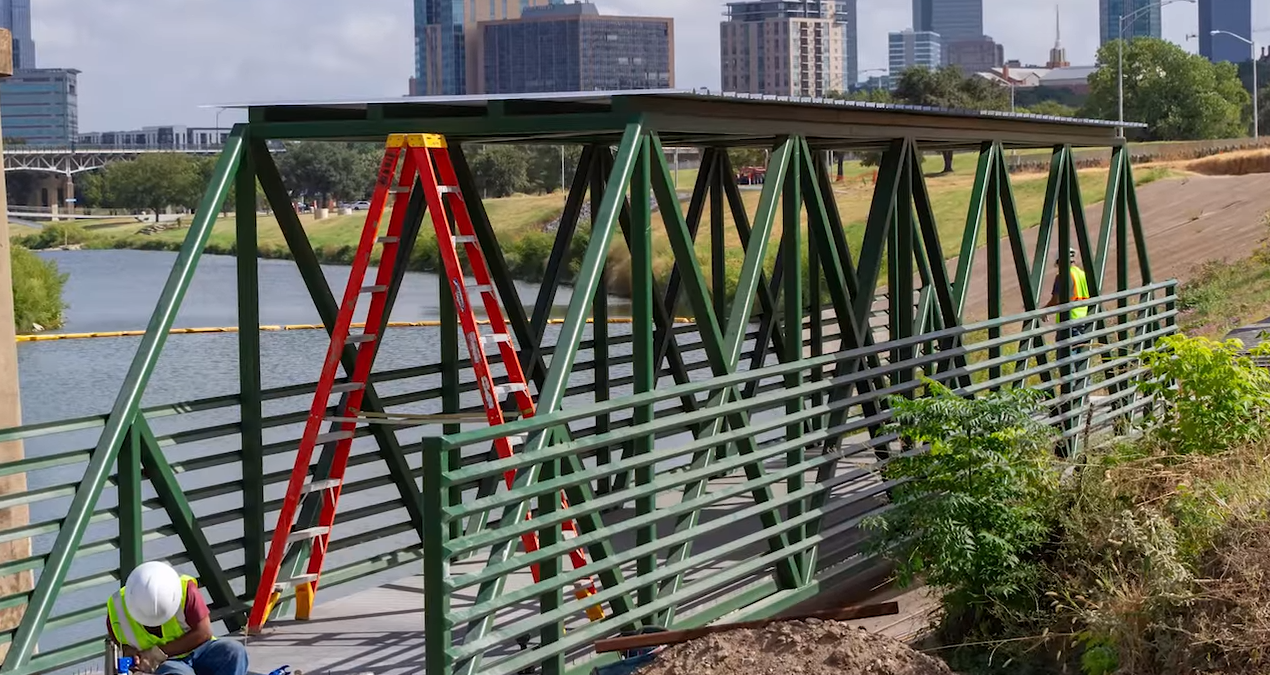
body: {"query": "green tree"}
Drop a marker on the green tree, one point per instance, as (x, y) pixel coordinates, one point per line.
(499, 170)
(1180, 96)
(948, 87)
(153, 182)
(325, 170)
(37, 291)
(544, 164)
(1053, 108)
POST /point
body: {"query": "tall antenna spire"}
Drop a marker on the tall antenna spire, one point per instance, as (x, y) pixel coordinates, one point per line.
(1058, 27)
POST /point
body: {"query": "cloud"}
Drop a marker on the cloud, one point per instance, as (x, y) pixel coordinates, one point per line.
(156, 61)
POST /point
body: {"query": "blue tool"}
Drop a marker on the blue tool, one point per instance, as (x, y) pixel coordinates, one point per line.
(285, 670)
(124, 665)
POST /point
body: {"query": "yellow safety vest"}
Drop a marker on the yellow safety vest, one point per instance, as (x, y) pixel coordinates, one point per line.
(1080, 291)
(128, 631)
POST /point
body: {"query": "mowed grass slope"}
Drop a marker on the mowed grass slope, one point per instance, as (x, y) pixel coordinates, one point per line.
(520, 220)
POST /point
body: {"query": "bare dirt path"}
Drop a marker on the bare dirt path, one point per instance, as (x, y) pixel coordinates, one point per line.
(1187, 221)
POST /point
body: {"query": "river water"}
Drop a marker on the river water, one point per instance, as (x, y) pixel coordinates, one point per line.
(117, 290)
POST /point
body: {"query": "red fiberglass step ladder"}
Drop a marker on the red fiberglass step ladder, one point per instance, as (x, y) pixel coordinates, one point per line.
(427, 157)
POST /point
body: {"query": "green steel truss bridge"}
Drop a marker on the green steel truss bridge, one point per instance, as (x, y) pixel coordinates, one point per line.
(715, 468)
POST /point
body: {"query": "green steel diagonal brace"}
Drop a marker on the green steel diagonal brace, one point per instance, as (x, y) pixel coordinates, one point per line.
(556, 266)
(71, 533)
(769, 333)
(554, 384)
(878, 227)
(1111, 203)
(1045, 233)
(1082, 232)
(1135, 217)
(974, 220)
(1014, 230)
(170, 494)
(723, 353)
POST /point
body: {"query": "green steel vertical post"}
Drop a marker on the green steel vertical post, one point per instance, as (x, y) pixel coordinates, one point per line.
(642, 354)
(816, 305)
(600, 331)
(994, 263)
(549, 600)
(792, 252)
(249, 385)
(436, 565)
(124, 412)
(450, 396)
(718, 247)
(1065, 290)
(901, 286)
(130, 524)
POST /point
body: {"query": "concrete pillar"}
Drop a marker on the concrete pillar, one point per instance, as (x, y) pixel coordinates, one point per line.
(69, 186)
(10, 402)
(53, 209)
(321, 213)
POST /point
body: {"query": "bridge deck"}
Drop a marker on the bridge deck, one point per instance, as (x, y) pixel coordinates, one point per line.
(380, 630)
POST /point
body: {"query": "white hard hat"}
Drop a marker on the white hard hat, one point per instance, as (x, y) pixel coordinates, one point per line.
(153, 593)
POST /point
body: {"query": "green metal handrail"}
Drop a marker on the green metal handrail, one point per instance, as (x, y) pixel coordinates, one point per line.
(1120, 332)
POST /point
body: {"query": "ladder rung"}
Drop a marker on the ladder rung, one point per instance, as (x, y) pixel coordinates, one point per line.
(388, 240)
(487, 340)
(358, 339)
(331, 437)
(397, 189)
(294, 581)
(319, 485)
(310, 533)
(450, 190)
(517, 439)
(345, 387)
(484, 288)
(377, 288)
(465, 239)
(501, 390)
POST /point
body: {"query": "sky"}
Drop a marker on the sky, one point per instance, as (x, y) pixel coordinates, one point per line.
(148, 62)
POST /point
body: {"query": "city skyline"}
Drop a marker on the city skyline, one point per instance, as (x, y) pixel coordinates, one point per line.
(235, 51)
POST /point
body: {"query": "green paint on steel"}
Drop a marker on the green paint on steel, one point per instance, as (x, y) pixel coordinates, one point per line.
(124, 411)
(130, 524)
(246, 249)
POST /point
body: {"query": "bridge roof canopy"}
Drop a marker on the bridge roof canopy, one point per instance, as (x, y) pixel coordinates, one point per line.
(680, 118)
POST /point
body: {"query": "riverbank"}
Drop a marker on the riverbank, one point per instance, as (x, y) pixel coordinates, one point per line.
(522, 223)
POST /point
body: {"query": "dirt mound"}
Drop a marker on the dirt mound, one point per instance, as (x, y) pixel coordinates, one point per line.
(809, 647)
(1233, 164)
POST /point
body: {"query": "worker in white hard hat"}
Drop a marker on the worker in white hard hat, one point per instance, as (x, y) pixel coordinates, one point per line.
(160, 618)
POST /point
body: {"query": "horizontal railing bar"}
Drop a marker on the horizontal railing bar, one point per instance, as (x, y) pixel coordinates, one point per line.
(461, 545)
(491, 572)
(739, 378)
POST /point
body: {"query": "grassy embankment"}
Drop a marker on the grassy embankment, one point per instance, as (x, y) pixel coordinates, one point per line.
(519, 221)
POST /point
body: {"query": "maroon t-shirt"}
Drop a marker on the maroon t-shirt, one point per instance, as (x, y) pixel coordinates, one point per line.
(195, 612)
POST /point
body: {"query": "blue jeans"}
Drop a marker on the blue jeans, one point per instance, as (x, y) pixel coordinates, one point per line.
(214, 657)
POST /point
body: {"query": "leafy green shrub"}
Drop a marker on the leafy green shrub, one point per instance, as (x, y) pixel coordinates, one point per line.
(527, 256)
(56, 234)
(978, 506)
(1214, 396)
(37, 291)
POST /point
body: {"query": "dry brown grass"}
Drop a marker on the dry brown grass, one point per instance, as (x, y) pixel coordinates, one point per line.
(1232, 163)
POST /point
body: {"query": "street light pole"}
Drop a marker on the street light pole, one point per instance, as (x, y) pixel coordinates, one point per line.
(1120, 48)
(1256, 100)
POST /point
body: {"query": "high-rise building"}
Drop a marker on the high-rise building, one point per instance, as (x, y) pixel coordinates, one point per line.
(575, 48)
(1234, 16)
(954, 20)
(16, 16)
(788, 47)
(1058, 55)
(975, 56)
(447, 42)
(41, 106)
(1145, 23)
(914, 49)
